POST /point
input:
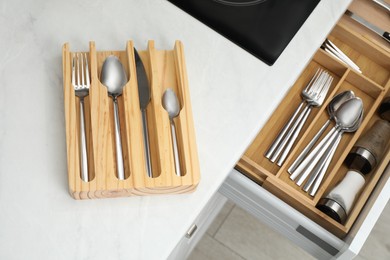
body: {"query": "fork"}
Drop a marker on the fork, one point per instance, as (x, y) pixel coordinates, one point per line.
(316, 99)
(81, 84)
(313, 95)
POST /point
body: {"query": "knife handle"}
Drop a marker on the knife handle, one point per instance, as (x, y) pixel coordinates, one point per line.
(386, 35)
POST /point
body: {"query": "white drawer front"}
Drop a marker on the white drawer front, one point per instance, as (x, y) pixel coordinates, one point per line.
(297, 227)
(198, 228)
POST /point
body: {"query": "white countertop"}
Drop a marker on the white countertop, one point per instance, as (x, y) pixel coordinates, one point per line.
(232, 94)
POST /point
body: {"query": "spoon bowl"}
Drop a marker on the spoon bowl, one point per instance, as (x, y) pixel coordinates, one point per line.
(349, 114)
(171, 103)
(338, 100)
(113, 76)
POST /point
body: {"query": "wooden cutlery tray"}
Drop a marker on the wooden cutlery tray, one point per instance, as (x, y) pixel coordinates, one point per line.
(165, 69)
(371, 86)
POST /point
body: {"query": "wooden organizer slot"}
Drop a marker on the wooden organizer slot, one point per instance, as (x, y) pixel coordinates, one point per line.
(165, 69)
(371, 86)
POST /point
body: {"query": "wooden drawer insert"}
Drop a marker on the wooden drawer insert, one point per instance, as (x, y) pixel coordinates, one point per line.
(372, 55)
(165, 69)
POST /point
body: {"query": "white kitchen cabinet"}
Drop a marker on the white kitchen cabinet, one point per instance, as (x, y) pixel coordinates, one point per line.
(286, 220)
(298, 228)
(199, 227)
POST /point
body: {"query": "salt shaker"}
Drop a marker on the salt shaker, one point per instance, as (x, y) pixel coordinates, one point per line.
(338, 203)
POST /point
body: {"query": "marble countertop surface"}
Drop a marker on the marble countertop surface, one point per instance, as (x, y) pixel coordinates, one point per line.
(232, 94)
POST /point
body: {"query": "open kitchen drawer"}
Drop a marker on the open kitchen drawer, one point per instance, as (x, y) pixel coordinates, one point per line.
(296, 215)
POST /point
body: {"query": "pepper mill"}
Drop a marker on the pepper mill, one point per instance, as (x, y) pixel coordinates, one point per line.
(361, 160)
(384, 109)
(369, 149)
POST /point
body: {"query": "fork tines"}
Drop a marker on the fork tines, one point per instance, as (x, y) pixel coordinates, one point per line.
(80, 72)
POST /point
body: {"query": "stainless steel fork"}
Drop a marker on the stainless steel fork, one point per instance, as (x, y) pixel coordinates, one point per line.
(81, 84)
(313, 95)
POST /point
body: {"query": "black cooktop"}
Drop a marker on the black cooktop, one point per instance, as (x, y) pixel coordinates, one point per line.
(261, 27)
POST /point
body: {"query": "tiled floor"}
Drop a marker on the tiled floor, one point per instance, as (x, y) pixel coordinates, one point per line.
(235, 234)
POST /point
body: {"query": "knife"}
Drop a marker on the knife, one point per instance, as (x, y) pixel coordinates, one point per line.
(385, 35)
(144, 99)
(382, 4)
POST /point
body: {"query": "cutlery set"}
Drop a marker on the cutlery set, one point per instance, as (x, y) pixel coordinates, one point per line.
(348, 117)
(335, 52)
(113, 77)
(345, 109)
(132, 132)
(313, 96)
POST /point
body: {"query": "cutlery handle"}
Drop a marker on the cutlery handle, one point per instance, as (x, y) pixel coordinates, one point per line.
(311, 155)
(303, 154)
(175, 148)
(294, 137)
(282, 133)
(289, 134)
(313, 162)
(321, 164)
(83, 144)
(146, 143)
(334, 50)
(321, 174)
(118, 143)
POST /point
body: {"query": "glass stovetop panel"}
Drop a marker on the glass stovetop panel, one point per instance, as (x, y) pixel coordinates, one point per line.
(263, 28)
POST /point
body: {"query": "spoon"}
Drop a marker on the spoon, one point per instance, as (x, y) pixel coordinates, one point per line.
(345, 117)
(171, 104)
(324, 163)
(113, 77)
(334, 104)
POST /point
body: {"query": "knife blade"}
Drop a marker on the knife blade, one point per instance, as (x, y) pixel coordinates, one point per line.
(385, 35)
(144, 99)
(143, 84)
